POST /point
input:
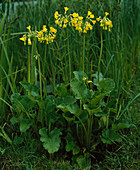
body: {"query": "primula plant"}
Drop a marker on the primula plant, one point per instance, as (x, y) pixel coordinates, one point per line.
(78, 115)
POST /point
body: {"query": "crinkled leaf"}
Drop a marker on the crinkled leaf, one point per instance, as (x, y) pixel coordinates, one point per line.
(122, 125)
(84, 162)
(69, 119)
(65, 100)
(17, 140)
(70, 145)
(14, 120)
(52, 141)
(80, 90)
(106, 86)
(96, 101)
(79, 75)
(95, 80)
(23, 103)
(61, 89)
(81, 116)
(99, 114)
(92, 110)
(73, 108)
(33, 89)
(75, 150)
(15, 97)
(109, 136)
(25, 124)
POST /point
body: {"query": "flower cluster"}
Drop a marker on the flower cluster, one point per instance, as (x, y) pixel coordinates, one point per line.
(105, 23)
(79, 22)
(28, 36)
(61, 20)
(42, 36)
(45, 35)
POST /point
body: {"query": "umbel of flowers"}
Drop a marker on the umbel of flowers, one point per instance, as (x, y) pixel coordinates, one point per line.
(81, 24)
(44, 35)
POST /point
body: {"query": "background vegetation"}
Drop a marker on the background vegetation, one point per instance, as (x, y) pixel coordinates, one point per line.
(120, 62)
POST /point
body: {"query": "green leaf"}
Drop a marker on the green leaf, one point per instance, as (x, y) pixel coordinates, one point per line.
(64, 101)
(73, 108)
(52, 141)
(33, 89)
(23, 103)
(69, 119)
(14, 120)
(123, 124)
(75, 150)
(17, 140)
(96, 101)
(92, 110)
(61, 89)
(79, 75)
(82, 116)
(79, 89)
(99, 114)
(70, 145)
(95, 80)
(15, 97)
(25, 124)
(106, 86)
(109, 136)
(83, 162)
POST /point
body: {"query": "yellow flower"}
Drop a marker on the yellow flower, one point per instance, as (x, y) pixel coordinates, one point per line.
(79, 22)
(89, 81)
(44, 28)
(80, 18)
(89, 13)
(84, 78)
(106, 13)
(64, 26)
(91, 16)
(85, 31)
(101, 25)
(66, 9)
(53, 29)
(56, 21)
(56, 14)
(29, 28)
(65, 21)
(94, 21)
(98, 19)
(75, 15)
(23, 38)
(29, 41)
(40, 33)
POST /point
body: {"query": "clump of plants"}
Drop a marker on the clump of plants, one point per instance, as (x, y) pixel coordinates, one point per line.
(78, 115)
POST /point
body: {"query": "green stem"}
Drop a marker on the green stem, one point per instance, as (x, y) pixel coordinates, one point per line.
(107, 121)
(29, 63)
(83, 126)
(83, 52)
(90, 123)
(69, 56)
(99, 69)
(40, 77)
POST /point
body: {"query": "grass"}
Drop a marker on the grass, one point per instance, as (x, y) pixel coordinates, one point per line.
(119, 60)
